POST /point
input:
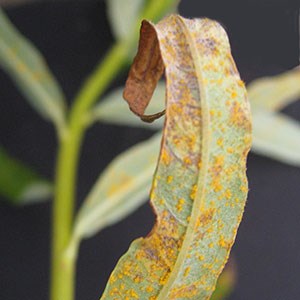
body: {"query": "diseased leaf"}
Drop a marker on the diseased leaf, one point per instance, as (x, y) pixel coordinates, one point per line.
(276, 136)
(19, 184)
(112, 109)
(276, 92)
(118, 191)
(27, 68)
(200, 187)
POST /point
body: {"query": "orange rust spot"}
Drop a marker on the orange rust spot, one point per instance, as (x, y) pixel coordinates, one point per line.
(187, 271)
(230, 150)
(194, 192)
(149, 289)
(233, 94)
(201, 257)
(219, 160)
(165, 157)
(244, 189)
(169, 179)
(187, 160)
(180, 204)
(228, 194)
(241, 83)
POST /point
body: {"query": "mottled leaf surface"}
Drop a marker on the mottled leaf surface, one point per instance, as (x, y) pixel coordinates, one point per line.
(19, 184)
(200, 187)
(27, 68)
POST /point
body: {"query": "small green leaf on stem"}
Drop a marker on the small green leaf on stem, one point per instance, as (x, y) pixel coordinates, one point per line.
(19, 184)
(120, 189)
(27, 68)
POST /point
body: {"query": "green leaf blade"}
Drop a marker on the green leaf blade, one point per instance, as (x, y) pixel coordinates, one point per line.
(274, 93)
(200, 187)
(27, 68)
(277, 136)
(121, 189)
(123, 16)
(19, 184)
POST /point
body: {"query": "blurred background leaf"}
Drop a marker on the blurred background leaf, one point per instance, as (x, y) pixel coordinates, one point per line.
(123, 16)
(226, 282)
(27, 68)
(121, 188)
(19, 184)
(276, 136)
(114, 109)
(274, 93)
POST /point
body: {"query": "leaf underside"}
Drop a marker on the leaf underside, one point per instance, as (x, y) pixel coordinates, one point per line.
(200, 187)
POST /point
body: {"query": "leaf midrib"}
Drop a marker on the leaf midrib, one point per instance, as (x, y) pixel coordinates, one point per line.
(205, 137)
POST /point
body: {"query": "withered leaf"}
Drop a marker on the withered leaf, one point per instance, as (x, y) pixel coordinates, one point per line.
(200, 186)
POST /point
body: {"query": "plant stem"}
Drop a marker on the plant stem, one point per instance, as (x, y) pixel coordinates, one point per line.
(63, 264)
(62, 276)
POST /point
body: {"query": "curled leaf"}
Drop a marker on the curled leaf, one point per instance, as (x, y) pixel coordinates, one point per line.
(200, 186)
(144, 73)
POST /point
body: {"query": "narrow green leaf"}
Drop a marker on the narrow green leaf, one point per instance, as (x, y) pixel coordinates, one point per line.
(200, 187)
(276, 136)
(120, 189)
(126, 15)
(114, 110)
(123, 16)
(19, 184)
(274, 93)
(27, 68)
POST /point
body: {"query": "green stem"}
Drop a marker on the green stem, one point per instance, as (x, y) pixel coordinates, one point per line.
(63, 263)
(62, 276)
